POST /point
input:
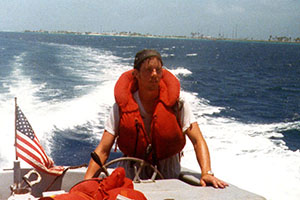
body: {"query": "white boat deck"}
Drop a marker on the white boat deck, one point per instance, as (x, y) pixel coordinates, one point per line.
(174, 189)
(168, 189)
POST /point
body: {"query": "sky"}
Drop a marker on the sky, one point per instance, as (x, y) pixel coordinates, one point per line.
(251, 19)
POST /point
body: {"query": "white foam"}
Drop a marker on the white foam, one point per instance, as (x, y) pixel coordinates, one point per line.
(103, 68)
(21, 86)
(166, 55)
(244, 155)
(180, 71)
(191, 54)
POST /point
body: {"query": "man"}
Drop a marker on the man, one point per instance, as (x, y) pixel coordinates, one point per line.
(150, 121)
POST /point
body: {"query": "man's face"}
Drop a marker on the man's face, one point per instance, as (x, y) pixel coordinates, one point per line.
(149, 74)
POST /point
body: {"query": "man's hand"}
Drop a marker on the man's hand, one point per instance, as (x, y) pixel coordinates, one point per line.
(208, 179)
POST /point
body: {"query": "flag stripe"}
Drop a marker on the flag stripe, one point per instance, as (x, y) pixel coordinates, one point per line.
(38, 144)
(38, 165)
(23, 142)
(43, 153)
(33, 154)
(29, 148)
(29, 159)
(31, 145)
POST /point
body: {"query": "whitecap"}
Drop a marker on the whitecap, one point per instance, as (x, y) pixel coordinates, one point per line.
(191, 54)
(180, 71)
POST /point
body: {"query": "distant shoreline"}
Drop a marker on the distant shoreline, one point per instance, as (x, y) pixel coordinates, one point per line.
(202, 37)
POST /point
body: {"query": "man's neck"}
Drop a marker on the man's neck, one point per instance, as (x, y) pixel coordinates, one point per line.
(149, 99)
(146, 95)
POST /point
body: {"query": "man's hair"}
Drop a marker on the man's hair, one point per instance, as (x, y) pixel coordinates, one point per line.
(143, 55)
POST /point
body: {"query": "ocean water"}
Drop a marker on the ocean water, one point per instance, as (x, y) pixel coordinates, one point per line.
(245, 95)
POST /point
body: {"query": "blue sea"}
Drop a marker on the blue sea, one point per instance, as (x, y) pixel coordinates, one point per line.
(245, 95)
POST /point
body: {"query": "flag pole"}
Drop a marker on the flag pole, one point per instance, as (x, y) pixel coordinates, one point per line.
(16, 127)
(17, 166)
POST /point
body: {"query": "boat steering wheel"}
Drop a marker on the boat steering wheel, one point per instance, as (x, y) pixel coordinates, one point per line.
(141, 165)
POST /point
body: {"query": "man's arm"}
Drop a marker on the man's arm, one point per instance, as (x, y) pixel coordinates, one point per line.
(203, 157)
(103, 151)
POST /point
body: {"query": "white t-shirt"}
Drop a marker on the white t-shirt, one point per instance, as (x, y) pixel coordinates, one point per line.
(112, 123)
(169, 167)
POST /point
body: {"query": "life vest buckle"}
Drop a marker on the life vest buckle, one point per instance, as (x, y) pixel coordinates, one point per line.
(148, 149)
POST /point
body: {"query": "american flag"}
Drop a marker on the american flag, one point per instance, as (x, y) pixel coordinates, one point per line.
(29, 148)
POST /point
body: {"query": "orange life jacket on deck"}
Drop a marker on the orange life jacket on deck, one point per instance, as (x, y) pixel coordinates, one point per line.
(109, 188)
(166, 137)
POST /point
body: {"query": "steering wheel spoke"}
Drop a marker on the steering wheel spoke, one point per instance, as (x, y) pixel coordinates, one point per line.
(138, 164)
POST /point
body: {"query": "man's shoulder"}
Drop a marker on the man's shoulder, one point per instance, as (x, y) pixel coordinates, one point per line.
(180, 102)
(182, 98)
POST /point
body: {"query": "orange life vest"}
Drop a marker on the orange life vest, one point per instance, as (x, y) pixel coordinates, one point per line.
(166, 137)
(109, 188)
